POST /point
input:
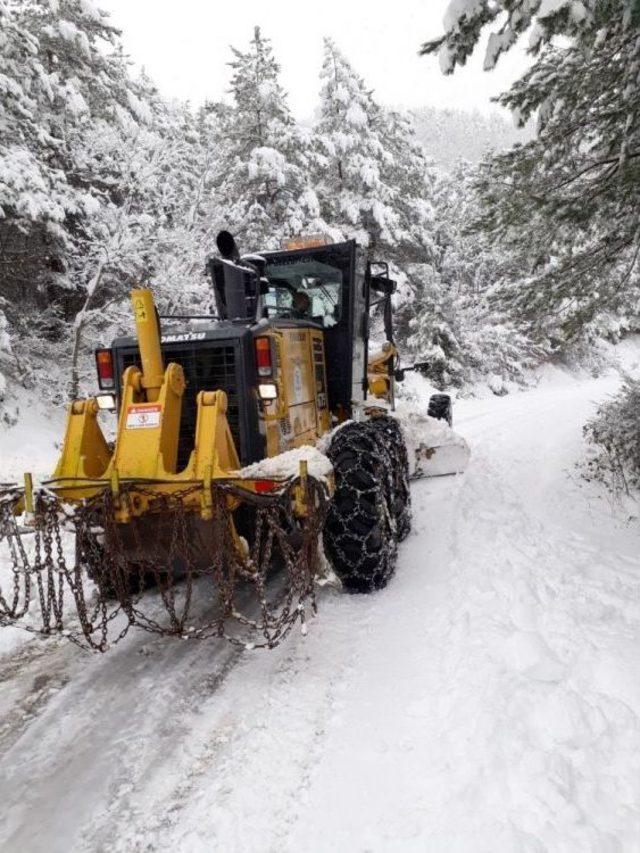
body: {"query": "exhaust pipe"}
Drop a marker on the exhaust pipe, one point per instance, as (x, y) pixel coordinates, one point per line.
(235, 287)
(227, 246)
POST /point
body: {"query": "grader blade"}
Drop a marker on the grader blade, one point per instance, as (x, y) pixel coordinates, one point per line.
(434, 448)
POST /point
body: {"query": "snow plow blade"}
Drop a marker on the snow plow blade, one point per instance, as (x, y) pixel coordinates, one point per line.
(434, 448)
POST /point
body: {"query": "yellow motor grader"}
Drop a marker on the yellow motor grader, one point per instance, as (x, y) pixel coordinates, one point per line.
(213, 504)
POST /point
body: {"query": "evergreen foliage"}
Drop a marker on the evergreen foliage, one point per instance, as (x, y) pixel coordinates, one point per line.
(580, 20)
(371, 174)
(264, 185)
(450, 318)
(615, 431)
(570, 195)
(104, 183)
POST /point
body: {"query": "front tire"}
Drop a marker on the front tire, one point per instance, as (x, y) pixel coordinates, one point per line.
(369, 512)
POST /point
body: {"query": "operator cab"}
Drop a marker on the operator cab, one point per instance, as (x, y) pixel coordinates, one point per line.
(329, 277)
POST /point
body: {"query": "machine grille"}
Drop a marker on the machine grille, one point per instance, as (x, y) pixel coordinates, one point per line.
(208, 366)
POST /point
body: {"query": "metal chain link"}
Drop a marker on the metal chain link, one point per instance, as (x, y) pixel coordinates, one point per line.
(167, 572)
(370, 510)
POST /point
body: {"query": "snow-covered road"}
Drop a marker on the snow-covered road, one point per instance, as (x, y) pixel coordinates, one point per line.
(487, 700)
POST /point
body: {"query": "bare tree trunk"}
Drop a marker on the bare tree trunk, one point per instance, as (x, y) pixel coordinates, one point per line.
(78, 329)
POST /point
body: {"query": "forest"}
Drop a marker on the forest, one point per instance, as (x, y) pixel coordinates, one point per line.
(506, 260)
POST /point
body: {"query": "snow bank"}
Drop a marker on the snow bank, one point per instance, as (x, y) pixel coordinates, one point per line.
(32, 443)
(287, 465)
(626, 355)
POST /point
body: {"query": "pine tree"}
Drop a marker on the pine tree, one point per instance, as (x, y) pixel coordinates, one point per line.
(29, 188)
(354, 198)
(78, 198)
(583, 21)
(574, 191)
(615, 431)
(571, 195)
(450, 319)
(192, 212)
(264, 187)
(60, 77)
(372, 173)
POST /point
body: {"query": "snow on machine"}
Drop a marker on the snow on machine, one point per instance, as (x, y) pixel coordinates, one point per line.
(241, 446)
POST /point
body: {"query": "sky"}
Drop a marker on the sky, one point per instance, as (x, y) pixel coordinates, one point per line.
(184, 47)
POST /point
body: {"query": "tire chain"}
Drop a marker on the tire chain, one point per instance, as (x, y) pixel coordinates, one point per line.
(45, 581)
(371, 509)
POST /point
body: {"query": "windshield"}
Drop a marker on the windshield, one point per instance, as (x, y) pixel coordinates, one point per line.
(303, 290)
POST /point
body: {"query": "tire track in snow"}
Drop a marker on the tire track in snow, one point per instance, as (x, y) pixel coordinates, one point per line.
(514, 741)
(246, 768)
(118, 718)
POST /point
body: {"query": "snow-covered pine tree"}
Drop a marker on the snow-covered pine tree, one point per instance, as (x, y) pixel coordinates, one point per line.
(264, 186)
(192, 213)
(84, 169)
(78, 75)
(571, 195)
(29, 188)
(615, 433)
(61, 74)
(579, 20)
(573, 192)
(405, 169)
(353, 196)
(119, 242)
(450, 320)
(371, 176)
(376, 184)
(34, 193)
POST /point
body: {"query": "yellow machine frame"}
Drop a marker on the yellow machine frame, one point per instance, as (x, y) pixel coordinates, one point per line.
(146, 446)
(148, 430)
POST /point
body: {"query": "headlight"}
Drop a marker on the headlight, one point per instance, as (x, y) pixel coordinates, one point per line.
(106, 402)
(269, 391)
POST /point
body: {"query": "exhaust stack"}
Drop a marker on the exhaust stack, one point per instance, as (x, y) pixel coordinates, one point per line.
(235, 283)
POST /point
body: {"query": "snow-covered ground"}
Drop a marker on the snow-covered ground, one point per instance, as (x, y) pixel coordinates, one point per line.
(487, 700)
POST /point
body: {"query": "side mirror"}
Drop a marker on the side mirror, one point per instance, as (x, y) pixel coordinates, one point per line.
(422, 367)
(399, 374)
(382, 284)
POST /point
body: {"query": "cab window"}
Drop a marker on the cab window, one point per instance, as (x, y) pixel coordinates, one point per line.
(303, 290)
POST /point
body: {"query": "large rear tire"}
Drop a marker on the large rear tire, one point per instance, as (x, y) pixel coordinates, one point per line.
(369, 512)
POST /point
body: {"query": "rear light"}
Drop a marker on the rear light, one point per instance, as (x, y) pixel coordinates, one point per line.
(263, 356)
(264, 486)
(104, 364)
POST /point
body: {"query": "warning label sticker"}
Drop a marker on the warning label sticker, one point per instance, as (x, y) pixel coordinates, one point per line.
(143, 417)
